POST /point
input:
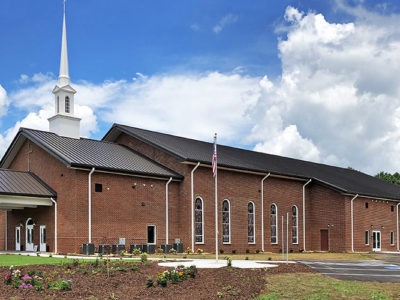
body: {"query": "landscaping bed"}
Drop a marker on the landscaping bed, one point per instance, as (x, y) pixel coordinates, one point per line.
(105, 279)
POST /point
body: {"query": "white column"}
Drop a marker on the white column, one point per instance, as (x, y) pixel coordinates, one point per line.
(55, 226)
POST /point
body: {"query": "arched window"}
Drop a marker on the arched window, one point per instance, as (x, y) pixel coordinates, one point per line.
(67, 105)
(295, 225)
(199, 220)
(274, 224)
(250, 218)
(58, 104)
(226, 222)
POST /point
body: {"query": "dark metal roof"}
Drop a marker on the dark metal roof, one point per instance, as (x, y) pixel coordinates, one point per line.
(342, 179)
(19, 183)
(88, 153)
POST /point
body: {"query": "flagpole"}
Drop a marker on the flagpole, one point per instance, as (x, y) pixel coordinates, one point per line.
(216, 201)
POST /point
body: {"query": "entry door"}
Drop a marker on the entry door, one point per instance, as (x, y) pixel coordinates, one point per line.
(324, 240)
(17, 238)
(43, 244)
(151, 234)
(376, 241)
(29, 237)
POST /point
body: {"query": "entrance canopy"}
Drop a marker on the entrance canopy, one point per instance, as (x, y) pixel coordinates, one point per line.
(22, 189)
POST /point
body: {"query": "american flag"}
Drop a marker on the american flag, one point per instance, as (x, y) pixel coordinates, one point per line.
(214, 158)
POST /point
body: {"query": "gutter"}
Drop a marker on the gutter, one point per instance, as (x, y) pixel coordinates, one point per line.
(352, 222)
(304, 215)
(192, 194)
(397, 225)
(90, 204)
(166, 210)
(55, 225)
(262, 211)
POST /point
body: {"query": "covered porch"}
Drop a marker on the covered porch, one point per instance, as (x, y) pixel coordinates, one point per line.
(25, 198)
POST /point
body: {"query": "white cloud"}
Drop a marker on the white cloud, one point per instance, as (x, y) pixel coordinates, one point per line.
(3, 101)
(337, 100)
(226, 20)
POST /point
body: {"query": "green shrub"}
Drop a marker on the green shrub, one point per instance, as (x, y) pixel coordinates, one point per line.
(143, 257)
(247, 251)
(221, 251)
(149, 282)
(257, 251)
(60, 284)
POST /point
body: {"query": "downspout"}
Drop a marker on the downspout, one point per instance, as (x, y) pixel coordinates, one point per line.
(192, 191)
(55, 225)
(262, 211)
(166, 210)
(304, 214)
(90, 205)
(352, 223)
(5, 232)
(397, 225)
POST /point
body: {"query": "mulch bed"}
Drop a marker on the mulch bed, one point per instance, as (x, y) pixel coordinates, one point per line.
(233, 283)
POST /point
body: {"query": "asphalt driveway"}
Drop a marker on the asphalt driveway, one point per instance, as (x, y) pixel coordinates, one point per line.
(380, 271)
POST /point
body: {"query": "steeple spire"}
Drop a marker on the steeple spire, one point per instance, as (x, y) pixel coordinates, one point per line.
(63, 78)
(64, 122)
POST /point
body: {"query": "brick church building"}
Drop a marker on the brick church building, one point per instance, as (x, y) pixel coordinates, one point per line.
(58, 191)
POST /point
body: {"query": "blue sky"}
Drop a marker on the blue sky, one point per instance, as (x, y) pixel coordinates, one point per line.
(232, 65)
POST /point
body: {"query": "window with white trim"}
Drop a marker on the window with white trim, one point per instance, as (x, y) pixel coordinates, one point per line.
(250, 226)
(392, 238)
(295, 225)
(226, 222)
(367, 237)
(274, 224)
(199, 220)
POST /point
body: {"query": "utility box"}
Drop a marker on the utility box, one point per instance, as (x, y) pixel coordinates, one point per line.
(88, 249)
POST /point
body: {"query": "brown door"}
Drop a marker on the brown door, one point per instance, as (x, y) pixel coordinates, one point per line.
(324, 240)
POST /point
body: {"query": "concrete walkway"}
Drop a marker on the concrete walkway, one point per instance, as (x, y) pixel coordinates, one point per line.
(169, 262)
(213, 264)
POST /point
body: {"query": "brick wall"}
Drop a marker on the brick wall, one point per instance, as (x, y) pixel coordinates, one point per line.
(118, 210)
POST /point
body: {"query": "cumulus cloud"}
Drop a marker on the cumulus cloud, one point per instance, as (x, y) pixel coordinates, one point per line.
(337, 100)
(226, 20)
(3, 101)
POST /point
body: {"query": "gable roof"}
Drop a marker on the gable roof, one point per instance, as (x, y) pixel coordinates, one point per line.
(190, 150)
(88, 153)
(20, 183)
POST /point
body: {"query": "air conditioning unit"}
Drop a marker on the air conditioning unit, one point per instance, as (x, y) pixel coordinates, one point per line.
(88, 248)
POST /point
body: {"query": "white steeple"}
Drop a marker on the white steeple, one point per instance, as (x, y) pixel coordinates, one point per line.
(63, 78)
(64, 122)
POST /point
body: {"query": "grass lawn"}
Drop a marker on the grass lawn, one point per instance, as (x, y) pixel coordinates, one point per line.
(275, 256)
(22, 260)
(317, 286)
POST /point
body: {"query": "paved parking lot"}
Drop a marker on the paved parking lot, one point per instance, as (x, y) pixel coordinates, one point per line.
(380, 271)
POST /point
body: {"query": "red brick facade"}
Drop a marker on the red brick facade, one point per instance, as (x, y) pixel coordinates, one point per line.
(127, 204)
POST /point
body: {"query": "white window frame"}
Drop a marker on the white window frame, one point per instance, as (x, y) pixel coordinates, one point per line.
(297, 225)
(392, 238)
(254, 223)
(202, 220)
(367, 244)
(155, 234)
(276, 225)
(229, 211)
